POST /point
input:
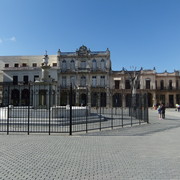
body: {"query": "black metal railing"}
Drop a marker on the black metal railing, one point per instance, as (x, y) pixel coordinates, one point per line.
(43, 108)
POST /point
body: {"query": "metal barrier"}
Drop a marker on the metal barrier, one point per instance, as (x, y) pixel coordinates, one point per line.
(42, 109)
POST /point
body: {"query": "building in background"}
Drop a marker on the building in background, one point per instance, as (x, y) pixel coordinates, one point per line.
(89, 72)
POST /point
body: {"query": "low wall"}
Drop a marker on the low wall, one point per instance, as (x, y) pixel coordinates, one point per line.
(3, 113)
(54, 112)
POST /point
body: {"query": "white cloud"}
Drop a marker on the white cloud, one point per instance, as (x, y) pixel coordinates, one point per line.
(13, 38)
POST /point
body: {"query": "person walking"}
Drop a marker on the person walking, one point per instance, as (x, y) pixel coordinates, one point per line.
(163, 109)
(160, 111)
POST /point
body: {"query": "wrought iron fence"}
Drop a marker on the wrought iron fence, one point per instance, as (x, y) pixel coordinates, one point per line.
(43, 108)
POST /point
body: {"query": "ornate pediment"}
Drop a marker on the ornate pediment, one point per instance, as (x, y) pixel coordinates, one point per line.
(83, 51)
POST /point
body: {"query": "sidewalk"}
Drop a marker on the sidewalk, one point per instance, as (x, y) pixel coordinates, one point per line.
(155, 125)
(150, 151)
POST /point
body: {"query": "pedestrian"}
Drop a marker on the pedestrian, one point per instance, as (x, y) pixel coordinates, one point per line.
(159, 111)
(178, 108)
(177, 105)
(163, 109)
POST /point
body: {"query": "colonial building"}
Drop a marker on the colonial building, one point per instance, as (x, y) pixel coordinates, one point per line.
(89, 72)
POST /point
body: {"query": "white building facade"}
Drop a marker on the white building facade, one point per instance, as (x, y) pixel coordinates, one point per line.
(89, 72)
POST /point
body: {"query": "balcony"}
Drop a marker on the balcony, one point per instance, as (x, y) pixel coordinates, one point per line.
(168, 88)
(20, 68)
(84, 69)
(98, 70)
(98, 86)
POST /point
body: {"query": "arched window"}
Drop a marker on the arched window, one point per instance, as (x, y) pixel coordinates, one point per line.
(72, 65)
(64, 65)
(94, 64)
(103, 64)
(83, 81)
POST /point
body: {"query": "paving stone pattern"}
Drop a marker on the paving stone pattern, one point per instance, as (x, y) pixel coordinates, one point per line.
(146, 152)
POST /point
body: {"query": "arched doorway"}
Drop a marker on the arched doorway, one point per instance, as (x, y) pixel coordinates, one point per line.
(15, 97)
(63, 99)
(103, 99)
(128, 100)
(25, 97)
(94, 99)
(83, 100)
(117, 100)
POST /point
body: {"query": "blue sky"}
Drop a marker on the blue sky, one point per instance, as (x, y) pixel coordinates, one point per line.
(139, 33)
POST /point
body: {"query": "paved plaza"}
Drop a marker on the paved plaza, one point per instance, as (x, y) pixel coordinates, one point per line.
(149, 151)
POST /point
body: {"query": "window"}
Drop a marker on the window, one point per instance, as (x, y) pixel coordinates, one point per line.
(116, 84)
(83, 81)
(15, 80)
(83, 64)
(94, 65)
(72, 65)
(177, 84)
(25, 79)
(24, 65)
(16, 65)
(64, 67)
(148, 83)
(127, 84)
(156, 84)
(138, 84)
(64, 81)
(94, 81)
(34, 64)
(162, 84)
(102, 64)
(36, 78)
(170, 85)
(102, 82)
(6, 65)
(54, 64)
(72, 80)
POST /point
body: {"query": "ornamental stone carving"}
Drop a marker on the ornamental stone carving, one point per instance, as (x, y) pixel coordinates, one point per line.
(83, 51)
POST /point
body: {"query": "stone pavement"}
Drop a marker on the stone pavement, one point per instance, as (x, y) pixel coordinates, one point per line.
(149, 151)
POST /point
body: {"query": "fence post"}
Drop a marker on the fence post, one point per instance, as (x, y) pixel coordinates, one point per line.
(100, 110)
(70, 104)
(8, 112)
(147, 108)
(28, 108)
(87, 109)
(111, 117)
(49, 109)
(122, 118)
(131, 108)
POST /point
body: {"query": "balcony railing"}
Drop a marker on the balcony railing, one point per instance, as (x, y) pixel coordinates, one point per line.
(20, 68)
(168, 88)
